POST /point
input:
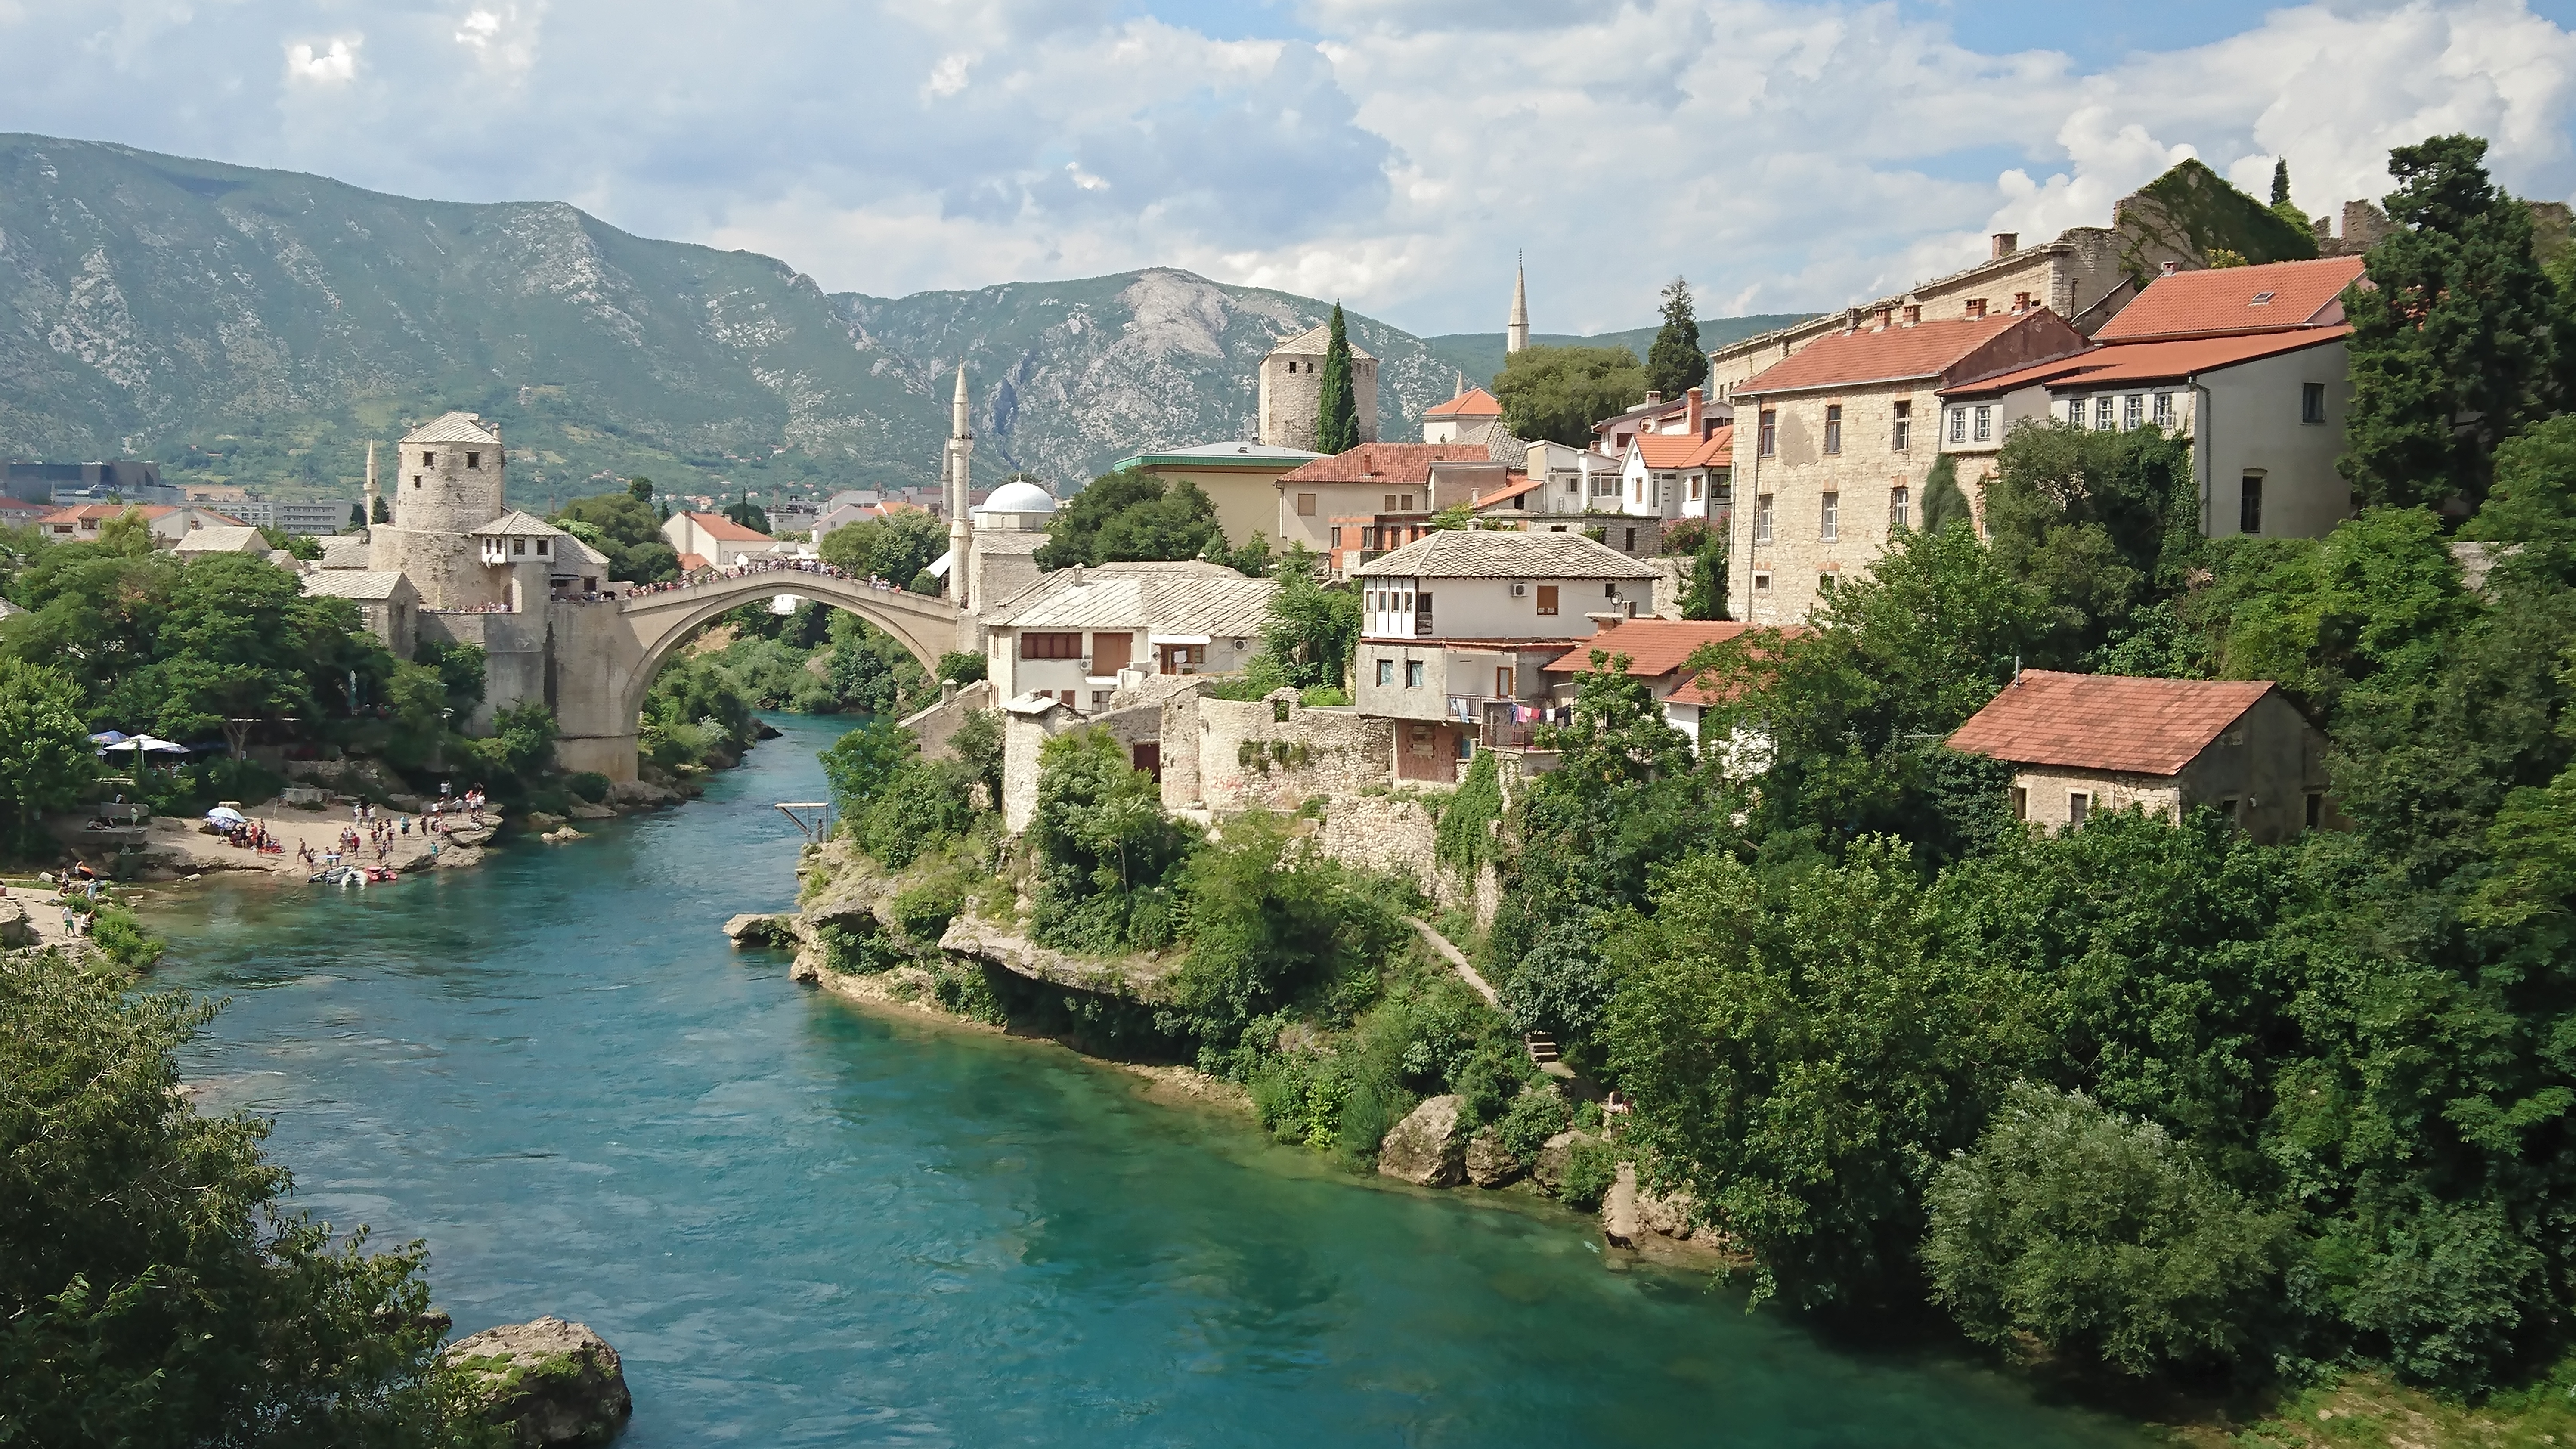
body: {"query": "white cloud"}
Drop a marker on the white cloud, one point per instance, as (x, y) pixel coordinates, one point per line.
(331, 64)
(1784, 154)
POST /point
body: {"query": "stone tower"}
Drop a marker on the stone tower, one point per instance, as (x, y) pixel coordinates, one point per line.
(1516, 335)
(1292, 389)
(961, 529)
(446, 485)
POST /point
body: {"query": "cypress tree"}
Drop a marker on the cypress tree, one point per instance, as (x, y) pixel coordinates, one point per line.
(2280, 181)
(1944, 502)
(1337, 411)
(1675, 362)
(2455, 345)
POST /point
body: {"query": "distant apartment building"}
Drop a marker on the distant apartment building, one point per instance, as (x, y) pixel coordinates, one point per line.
(129, 481)
(313, 520)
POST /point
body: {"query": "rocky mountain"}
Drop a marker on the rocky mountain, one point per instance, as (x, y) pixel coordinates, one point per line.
(257, 327)
(1480, 354)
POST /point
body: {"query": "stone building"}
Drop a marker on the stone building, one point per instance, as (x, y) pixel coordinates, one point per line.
(2248, 362)
(1840, 447)
(714, 540)
(1292, 389)
(1239, 476)
(1325, 503)
(1071, 635)
(2085, 743)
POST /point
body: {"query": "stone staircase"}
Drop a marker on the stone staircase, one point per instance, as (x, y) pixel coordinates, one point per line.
(1542, 1049)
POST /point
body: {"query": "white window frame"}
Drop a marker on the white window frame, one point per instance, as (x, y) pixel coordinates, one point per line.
(1829, 509)
(1763, 519)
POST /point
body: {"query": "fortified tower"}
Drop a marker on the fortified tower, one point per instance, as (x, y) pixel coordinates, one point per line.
(446, 484)
(1292, 389)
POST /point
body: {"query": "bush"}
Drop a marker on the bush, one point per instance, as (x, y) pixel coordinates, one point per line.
(123, 939)
(1537, 1114)
(589, 785)
(922, 912)
(2095, 1232)
(961, 668)
(1591, 1166)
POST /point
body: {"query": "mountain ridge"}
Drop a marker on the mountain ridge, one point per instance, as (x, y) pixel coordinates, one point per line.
(257, 326)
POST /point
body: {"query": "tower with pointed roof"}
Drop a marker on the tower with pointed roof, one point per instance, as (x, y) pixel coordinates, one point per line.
(1516, 335)
(961, 529)
(1292, 386)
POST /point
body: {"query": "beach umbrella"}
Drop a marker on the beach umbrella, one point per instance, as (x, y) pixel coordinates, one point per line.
(145, 744)
(109, 737)
(226, 817)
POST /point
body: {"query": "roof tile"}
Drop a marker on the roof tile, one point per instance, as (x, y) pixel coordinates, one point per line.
(2224, 299)
(2106, 721)
(2153, 360)
(1475, 402)
(1477, 553)
(1926, 349)
(1387, 463)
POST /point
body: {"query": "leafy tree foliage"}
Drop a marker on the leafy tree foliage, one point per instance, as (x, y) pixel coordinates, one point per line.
(153, 1290)
(2093, 1231)
(1107, 859)
(1674, 362)
(896, 547)
(383, 511)
(624, 528)
(749, 514)
(2105, 525)
(1131, 516)
(1337, 409)
(1944, 501)
(1313, 630)
(2455, 343)
(45, 753)
(1270, 917)
(1558, 393)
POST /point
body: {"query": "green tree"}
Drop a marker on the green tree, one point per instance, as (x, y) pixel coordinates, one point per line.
(297, 545)
(1131, 516)
(1558, 393)
(896, 547)
(382, 513)
(357, 515)
(1313, 629)
(624, 529)
(1337, 408)
(45, 754)
(2455, 343)
(154, 1287)
(749, 514)
(1944, 502)
(1705, 596)
(1271, 918)
(2282, 206)
(862, 765)
(2098, 1234)
(2105, 525)
(1674, 363)
(1105, 853)
(640, 489)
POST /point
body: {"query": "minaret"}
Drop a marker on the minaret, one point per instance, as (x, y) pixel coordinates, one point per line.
(961, 532)
(372, 494)
(1516, 336)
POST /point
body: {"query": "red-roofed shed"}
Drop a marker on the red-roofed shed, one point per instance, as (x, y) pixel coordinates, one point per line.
(2086, 743)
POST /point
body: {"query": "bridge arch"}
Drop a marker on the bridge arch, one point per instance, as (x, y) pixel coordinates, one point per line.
(606, 664)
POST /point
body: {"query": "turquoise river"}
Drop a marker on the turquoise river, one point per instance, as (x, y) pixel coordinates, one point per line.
(804, 1224)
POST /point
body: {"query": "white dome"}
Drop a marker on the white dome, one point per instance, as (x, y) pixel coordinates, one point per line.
(1021, 497)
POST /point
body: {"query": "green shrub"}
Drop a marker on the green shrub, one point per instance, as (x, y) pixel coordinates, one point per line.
(1591, 1165)
(1537, 1114)
(961, 668)
(858, 949)
(123, 939)
(590, 785)
(922, 912)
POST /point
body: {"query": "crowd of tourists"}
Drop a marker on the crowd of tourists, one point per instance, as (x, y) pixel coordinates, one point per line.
(750, 567)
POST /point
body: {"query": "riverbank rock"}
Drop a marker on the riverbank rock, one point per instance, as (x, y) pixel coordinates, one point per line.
(1548, 1170)
(561, 834)
(641, 795)
(760, 930)
(584, 810)
(1488, 1165)
(550, 1382)
(1424, 1148)
(540, 821)
(1621, 1223)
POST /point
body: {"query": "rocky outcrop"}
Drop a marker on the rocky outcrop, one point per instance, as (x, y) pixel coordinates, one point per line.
(1425, 1149)
(550, 1382)
(1621, 1223)
(1144, 978)
(1488, 1164)
(1548, 1170)
(761, 930)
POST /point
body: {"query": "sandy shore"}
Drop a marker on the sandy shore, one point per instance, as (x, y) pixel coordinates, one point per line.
(190, 851)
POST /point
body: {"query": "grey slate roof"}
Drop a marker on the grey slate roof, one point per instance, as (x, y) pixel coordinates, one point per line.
(1314, 340)
(453, 428)
(244, 539)
(1159, 599)
(345, 551)
(367, 586)
(515, 524)
(572, 555)
(1462, 553)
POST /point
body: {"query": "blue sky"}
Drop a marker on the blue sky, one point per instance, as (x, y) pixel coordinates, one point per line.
(1783, 154)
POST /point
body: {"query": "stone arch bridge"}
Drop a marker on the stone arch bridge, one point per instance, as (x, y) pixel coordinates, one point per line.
(608, 652)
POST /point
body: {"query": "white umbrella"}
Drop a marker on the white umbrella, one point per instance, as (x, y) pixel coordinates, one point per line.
(145, 744)
(227, 816)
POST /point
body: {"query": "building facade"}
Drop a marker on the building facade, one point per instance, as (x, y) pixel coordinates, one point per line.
(1240, 477)
(1292, 389)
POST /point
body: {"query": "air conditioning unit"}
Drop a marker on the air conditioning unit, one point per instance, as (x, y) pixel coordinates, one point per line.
(1519, 590)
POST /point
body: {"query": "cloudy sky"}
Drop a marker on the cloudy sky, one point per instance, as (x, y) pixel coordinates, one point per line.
(1393, 153)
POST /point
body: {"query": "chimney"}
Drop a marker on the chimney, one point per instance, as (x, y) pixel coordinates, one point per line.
(1976, 308)
(2007, 243)
(1076, 571)
(1886, 318)
(1913, 313)
(1696, 401)
(2021, 301)
(1653, 397)
(2172, 267)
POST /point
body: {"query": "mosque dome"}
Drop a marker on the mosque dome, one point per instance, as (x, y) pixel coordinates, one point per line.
(1020, 497)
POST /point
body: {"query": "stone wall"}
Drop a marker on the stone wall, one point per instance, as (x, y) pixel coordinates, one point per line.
(515, 658)
(1290, 400)
(1396, 832)
(1225, 755)
(1024, 735)
(934, 725)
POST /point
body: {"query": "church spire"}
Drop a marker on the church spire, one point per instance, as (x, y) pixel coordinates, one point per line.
(1516, 336)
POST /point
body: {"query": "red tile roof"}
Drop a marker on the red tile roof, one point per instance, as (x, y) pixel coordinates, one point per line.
(1521, 483)
(726, 530)
(1682, 450)
(1655, 647)
(2106, 721)
(2164, 359)
(79, 512)
(1475, 402)
(1926, 349)
(692, 562)
(2223, 299)
(1386, 463)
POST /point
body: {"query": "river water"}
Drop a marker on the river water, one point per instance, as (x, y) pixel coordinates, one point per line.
(802, 1224)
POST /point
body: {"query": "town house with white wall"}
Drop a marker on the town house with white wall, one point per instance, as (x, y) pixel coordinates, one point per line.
(1070, 635)
(1457, 628)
